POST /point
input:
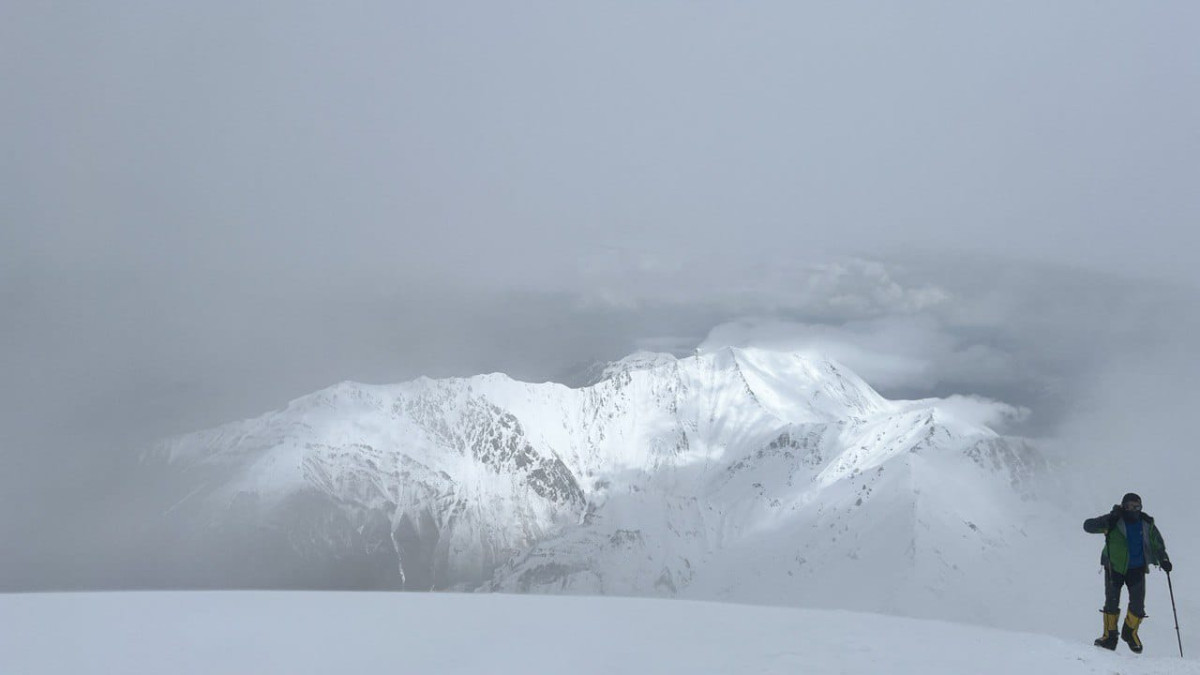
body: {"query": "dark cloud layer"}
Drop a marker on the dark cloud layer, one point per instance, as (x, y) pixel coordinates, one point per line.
(207, 210)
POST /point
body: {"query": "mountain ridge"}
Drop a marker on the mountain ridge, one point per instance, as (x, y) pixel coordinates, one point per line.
(669, 476)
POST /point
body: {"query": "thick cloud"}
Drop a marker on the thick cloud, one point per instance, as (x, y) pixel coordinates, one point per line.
(210, 209)
(479, 145)
(892, 352)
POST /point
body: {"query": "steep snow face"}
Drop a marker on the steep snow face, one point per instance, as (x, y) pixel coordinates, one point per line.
(737, 473)
(441, 475)
(885, 507)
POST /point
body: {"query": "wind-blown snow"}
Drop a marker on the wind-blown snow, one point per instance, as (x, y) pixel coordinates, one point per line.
(442, 634)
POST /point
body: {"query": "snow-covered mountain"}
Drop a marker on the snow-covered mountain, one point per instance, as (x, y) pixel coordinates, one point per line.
(748, 474)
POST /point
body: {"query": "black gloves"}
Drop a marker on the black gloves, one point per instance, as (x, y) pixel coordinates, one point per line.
(1115, 515)
(1166, 565)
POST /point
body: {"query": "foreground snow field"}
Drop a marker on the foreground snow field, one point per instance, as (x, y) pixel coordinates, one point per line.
(293, 632)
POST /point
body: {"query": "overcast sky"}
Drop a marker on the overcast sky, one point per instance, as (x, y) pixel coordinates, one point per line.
(207, 209)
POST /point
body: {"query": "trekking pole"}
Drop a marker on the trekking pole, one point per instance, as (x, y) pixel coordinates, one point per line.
(1177, 637)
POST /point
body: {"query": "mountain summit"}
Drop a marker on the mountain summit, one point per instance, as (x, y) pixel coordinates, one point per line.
(737, 473)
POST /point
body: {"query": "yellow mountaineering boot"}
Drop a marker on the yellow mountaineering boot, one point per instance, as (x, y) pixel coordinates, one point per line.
(1108, 639)
(1129, 632)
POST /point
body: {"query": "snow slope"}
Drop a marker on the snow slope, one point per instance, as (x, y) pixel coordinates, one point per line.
(440, 634)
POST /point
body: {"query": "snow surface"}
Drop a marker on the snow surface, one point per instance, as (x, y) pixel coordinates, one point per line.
(437, 633)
